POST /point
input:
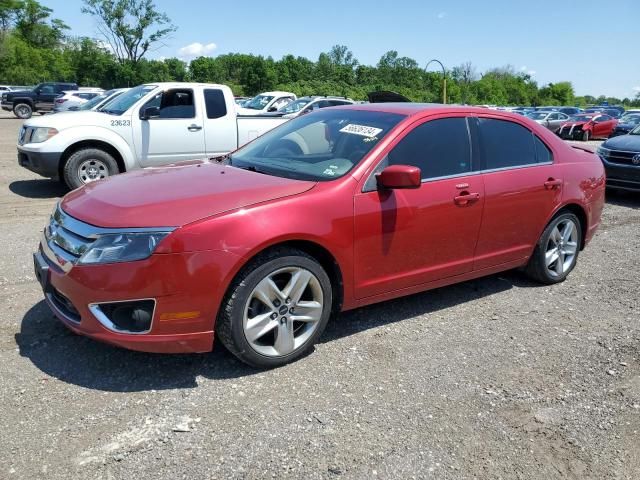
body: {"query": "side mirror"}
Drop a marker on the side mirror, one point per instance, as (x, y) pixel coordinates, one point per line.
(272, 109)
(149, 113)
(400, 176)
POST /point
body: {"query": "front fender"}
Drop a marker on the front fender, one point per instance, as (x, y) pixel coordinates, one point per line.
(69, 137)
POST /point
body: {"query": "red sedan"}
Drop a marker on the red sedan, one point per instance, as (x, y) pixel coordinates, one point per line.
(587, 126)
(332, 211)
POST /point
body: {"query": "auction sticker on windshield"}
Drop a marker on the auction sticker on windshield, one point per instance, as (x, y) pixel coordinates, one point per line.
(362, 130)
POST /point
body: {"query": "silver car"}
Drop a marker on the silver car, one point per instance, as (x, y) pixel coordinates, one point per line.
(552, 120)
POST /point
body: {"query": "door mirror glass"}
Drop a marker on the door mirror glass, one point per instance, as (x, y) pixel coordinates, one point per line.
(400, 176)
(149, 113)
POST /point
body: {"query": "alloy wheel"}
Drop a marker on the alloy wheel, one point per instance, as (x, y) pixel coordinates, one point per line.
(562, 248)
(283, 311)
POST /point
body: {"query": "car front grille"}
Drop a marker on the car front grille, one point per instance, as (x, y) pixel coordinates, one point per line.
(620, 157)
(67, 237)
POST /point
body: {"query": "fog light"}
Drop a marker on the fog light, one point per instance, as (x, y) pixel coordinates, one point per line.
(133, 316)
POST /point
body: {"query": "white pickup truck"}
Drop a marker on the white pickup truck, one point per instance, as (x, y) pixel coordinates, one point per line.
(149, 125)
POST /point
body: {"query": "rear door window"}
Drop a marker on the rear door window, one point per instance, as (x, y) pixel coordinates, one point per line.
(215, 103)
(505, 144)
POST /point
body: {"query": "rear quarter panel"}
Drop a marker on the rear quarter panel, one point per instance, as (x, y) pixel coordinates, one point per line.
(584, 185)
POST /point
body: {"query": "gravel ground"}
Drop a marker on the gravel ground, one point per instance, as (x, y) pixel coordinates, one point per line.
(494, 378)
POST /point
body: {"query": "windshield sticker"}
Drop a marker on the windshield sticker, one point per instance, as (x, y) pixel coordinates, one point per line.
(362, 130)
(329, 172)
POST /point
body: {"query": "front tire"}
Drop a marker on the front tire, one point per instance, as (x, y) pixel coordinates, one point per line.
(276, 308)
(23, 111)
(88, 165)
(586, 136)
(556, 253)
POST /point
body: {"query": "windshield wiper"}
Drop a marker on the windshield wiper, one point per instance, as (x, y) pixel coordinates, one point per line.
(110, 112)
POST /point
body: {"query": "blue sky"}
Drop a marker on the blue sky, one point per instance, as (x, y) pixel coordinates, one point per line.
(554, 40)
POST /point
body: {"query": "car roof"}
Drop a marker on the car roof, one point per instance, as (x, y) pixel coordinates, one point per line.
(414, 109)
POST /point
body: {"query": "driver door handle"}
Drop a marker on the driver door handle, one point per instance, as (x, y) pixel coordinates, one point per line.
(194, 128)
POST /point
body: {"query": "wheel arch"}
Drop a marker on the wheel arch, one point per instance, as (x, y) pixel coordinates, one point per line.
(98, 144)
(579, 211)
(27, 100)
(320, 253)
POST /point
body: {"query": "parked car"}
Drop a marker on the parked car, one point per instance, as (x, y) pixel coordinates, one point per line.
(100, 101)
(331, 211)
(621, 159)
(306, 105)
(615, 112)
(5, 88)
(587, 126)
(74, 98)
(24, 103)
(149, 125)
(267, 102)
(566, 110)
(549, 119)
(625, 125)
(240, 101)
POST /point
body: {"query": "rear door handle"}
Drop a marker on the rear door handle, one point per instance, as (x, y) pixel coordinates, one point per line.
(552, 184)
(194, 128)
(466, 198)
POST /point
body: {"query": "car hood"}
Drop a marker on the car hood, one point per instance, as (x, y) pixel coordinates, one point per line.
(629, 143)
(626, 126)
(18, 93)
(66, 119)
(174, 195)
(571, 124)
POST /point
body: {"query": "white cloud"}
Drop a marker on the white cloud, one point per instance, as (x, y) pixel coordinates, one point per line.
(636, 89)
(197, 49)
(528, 71)
(441, 15)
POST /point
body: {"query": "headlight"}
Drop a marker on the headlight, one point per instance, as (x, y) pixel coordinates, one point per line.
(42, 134)
(603, 152)
(122, 247)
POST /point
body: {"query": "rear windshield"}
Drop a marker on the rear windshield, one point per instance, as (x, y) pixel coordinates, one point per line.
(321, 146)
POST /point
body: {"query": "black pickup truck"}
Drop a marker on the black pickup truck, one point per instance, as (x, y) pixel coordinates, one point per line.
(41, 99)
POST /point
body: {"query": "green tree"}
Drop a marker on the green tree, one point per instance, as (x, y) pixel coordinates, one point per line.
(130, 27)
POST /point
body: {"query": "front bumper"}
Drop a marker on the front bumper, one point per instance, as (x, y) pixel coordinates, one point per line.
(622, 177)
(7, 106)
(571, 133)
(46, 164)
(187, 289)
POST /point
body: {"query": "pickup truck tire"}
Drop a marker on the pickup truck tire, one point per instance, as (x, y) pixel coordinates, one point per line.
(88, 165)
(276, 308)
(23, 111)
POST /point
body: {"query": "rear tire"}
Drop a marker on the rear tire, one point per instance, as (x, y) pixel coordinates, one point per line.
(23, 111)
(276, 308)
(556, 253)
(88, 165)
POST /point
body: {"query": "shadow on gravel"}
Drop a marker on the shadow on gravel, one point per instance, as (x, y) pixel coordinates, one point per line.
(38, 188)
(623, 198)
(81, 361)
(356, 321)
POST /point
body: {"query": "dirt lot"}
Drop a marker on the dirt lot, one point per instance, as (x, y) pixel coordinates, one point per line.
(494, 378)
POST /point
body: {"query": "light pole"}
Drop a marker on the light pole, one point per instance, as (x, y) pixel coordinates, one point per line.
(444, 78)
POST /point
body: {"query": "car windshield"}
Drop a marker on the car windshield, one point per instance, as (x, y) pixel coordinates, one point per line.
(125, 101)
(635, 131)
(258, 102)
(93, 102)
(538, 115)
(580, 118)
(631, 119)
(322, 146)
(296, 106)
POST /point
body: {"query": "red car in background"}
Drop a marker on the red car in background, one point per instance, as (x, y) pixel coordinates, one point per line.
(587, 126)
(331, 211)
